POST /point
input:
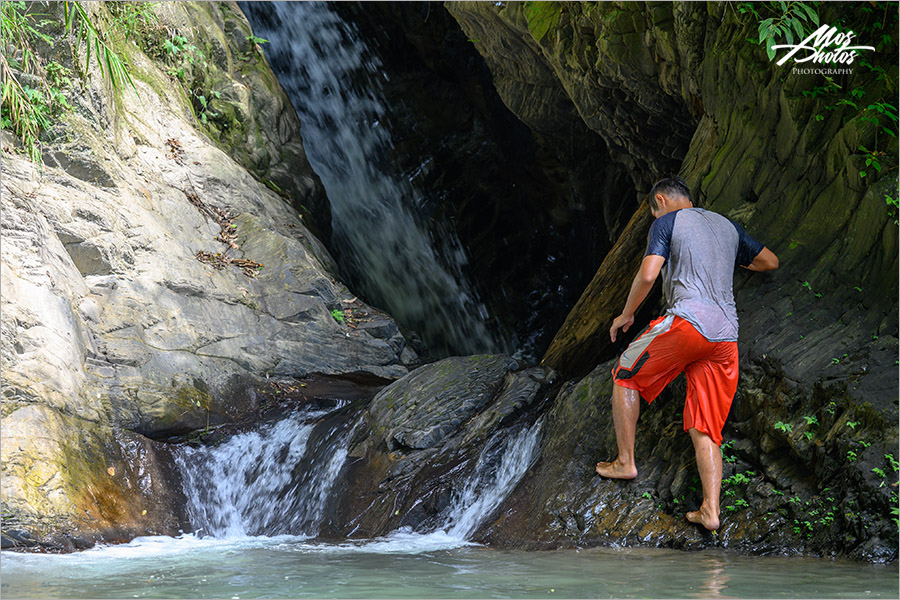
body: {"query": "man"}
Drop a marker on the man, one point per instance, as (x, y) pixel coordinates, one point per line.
(696, 250)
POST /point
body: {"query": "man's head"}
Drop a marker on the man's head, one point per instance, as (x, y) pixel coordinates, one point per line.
(668, 194)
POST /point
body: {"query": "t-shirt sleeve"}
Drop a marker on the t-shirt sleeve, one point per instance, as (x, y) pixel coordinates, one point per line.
(748, 248)
(659, 239)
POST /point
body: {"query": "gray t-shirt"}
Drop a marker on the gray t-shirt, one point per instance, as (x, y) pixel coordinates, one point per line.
(702, 249)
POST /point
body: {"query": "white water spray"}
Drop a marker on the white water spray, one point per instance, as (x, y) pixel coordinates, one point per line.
(488, 486)
(491, 483)
(267, 481)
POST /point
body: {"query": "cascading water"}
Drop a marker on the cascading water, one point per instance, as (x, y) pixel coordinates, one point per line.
(334, 82)
(491, 482)
(272, 481)
(278, 480)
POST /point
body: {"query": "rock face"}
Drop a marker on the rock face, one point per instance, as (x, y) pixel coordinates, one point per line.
(677, 87)
(80, 480)
(152, 280)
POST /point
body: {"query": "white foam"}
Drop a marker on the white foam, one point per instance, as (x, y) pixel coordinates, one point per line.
(401, 541)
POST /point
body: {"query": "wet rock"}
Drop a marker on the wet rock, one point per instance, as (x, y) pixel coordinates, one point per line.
(423, 408)
(454, 411)
(109, 483)
(18, 538)
(803, 495)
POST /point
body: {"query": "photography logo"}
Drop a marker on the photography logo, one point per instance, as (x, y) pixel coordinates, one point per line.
(824, 47)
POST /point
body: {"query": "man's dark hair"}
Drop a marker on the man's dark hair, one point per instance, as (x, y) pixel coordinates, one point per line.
(670, 186)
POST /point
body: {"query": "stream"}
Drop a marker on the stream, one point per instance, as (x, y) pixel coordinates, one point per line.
(408, 565)
(255, 502)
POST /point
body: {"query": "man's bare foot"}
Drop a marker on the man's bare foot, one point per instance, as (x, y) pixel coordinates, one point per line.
(616, 470)
(702, 517)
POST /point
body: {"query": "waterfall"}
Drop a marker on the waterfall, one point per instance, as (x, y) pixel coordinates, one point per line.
(491, 481)
(334, 82)
(278, 480)
(275, 480)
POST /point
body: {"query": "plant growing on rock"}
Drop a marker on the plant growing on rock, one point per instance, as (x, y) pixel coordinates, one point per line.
(109, 63)
(181, 54)
(728, 458)
(787, 18)
(25, 109)
(892, 203)
(33, 92)
(134, 21)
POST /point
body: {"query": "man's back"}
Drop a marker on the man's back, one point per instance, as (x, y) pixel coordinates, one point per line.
(701, 249)
(696, 251)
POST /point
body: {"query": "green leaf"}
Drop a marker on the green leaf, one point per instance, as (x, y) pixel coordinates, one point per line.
(770, 51)
(764, 28)
(798, 27)
(813, 15)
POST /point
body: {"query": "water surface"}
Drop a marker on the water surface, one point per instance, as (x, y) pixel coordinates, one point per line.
(437, 565)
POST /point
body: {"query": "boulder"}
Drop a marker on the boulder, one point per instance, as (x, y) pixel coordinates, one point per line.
(420, 441)
(73, 478)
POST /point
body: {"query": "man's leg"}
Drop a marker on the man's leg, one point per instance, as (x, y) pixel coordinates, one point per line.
(709, 463)
(625, 408)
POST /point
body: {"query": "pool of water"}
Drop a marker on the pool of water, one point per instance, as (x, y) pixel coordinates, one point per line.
(410, 565)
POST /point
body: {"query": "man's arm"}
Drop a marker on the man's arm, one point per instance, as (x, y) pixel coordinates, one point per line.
(640, 287)
(764, 261)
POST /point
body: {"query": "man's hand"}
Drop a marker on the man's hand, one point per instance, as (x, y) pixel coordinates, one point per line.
(622, 321)
(640, 287)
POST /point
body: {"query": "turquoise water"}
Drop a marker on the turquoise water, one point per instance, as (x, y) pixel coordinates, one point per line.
(410, 565)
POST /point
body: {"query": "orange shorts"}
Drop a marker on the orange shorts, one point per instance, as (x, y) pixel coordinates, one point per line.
(671, 345)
